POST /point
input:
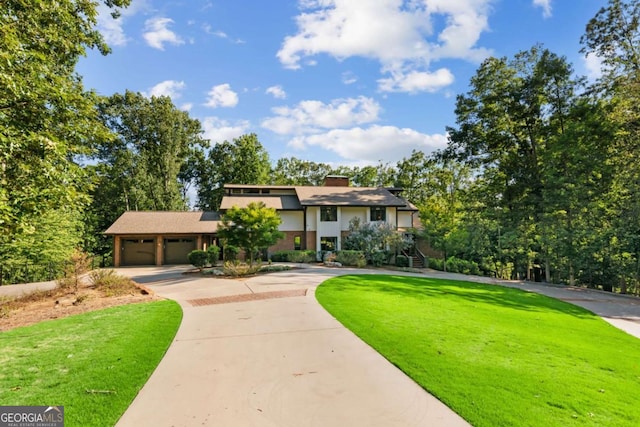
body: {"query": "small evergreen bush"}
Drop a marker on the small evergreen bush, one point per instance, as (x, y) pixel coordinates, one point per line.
(378, 258)
(213, 252)
(436, 264)
(198, 258)
(402, 261)
(305, 256)
(351, 258)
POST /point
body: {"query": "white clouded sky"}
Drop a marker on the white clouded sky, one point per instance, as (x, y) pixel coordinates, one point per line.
(222, 96)
(157, 33)
(329, 80)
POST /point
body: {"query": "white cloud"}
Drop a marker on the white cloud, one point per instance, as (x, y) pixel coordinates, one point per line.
(375, 143)
(219, 130)
(310, 116)
(113, 29)
(170, 88)
(221, 96)
(545, 5)
(157, 33)
(417, 81)
(399, 34)
(593, 66)
(186, 106)
(349, 78)
(276, 92)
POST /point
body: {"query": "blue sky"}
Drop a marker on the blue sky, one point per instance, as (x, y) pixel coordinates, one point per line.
(338, 81)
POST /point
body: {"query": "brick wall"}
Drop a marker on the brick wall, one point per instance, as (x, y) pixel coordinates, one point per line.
(286, 244)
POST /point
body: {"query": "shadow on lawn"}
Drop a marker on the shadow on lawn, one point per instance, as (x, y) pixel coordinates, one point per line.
(418, 287)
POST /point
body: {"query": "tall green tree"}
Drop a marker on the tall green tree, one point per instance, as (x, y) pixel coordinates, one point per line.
(242, 161)
(505, 122)
(412, 176)
(146, 162)
(294, 171)
(47, 119)
(613, 35)
(442, 212)
(252, 228)
(153, 144)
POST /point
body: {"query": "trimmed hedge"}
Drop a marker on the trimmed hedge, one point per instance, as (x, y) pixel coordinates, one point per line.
(351, 258)
(305, 256)
(198, 258)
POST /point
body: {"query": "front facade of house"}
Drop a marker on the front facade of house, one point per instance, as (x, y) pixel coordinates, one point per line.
(315, 218)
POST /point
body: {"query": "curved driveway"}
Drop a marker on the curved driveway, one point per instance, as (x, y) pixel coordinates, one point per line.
(282, 360)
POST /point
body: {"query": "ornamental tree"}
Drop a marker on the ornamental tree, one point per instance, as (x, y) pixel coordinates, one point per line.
(251, 228)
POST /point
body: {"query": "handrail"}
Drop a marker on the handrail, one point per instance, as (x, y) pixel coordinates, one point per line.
(421, 256)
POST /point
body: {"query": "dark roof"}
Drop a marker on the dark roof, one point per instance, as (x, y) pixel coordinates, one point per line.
(347, 196)
(281, 203)
(317, 196)
(157, 222)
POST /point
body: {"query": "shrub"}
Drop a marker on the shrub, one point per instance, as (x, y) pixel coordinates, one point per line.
(231, 253)
(402, 261)
(436, 263)
(378, 258)
(351, 258)
(457, 265)
(110, 282)
(199, 258)
(213, 253)
(294, 256)
(236, 268)
(78, 265)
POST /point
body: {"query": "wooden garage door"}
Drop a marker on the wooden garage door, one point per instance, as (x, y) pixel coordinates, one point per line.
(138, 252)
(176, 250)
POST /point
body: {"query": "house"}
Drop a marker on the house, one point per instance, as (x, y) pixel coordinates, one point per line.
(313, 217)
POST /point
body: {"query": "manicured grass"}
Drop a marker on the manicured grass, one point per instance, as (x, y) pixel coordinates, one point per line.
(496, 356)
(93, 364)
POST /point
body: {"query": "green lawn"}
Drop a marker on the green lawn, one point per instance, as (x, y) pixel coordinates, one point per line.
(93, 364)
(497, 356)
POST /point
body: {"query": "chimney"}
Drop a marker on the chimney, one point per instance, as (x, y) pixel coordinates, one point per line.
(336, 181)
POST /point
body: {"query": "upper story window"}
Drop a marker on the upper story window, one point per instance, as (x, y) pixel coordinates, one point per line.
(328, 213)
(378, 214)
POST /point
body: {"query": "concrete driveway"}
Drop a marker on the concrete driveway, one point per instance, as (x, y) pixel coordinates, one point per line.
(278, 361)
(262, 352)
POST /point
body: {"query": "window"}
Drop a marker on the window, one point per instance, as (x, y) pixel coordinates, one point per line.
(297, 243)
(328, 243)
(378, 214)
(328, 213)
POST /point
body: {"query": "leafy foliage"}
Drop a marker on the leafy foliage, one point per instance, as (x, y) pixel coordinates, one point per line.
(294, 256)
(373, 239)
(47, 119)
(351, 258)
(199, 258)
(251, 228)
(241, 161)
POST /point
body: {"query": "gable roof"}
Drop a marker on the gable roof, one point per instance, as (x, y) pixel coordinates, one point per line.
(160, 222)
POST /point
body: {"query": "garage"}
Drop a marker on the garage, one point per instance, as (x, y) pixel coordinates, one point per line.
(138, 252)
(176, 250)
